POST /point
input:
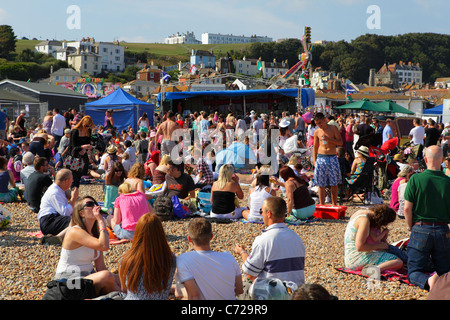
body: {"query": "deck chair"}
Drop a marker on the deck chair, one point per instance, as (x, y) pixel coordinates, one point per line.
(364, 184)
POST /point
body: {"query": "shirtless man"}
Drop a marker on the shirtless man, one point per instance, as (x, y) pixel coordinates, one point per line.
(327, 171)
(166, 129)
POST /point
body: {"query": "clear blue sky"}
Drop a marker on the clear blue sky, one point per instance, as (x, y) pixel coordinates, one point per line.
(154, 20)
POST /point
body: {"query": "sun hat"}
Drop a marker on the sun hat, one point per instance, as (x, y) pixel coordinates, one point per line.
(399, 157)
(284, 123)
(364, 151)
(447, 125)
(111, 149)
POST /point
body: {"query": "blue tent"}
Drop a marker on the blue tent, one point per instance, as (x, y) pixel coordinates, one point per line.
(308, 95)
(126, 110)
(238, 154)
(436, 110)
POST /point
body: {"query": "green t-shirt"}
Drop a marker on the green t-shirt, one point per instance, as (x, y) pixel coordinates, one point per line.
(429, 192)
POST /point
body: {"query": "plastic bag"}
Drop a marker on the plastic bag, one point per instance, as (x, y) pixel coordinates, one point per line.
(5, 218)
(272, 289)
(179, 210)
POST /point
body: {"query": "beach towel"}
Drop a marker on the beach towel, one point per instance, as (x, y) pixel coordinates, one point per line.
(388, 275)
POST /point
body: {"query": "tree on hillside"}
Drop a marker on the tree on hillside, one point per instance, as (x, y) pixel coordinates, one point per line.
(7, 41)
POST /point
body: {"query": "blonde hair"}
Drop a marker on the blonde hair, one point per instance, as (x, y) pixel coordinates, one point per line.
(225, 174)
(293, 159)
(125, 188)
(165, 160)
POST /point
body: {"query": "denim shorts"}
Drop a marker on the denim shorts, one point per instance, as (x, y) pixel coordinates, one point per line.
(122, 233)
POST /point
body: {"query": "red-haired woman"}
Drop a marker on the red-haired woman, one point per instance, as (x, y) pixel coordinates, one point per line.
(147, 269)
(299, 202)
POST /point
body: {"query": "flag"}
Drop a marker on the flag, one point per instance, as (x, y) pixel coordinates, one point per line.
(193, 69)
(349, 90)
(165, 76)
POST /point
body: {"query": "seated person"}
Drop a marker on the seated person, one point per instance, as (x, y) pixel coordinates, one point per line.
(223, 195)
(6, 179)
(56, 209)
(358, 164)
(37, 183)
(258, 193)
(129, 206)
(204, 273)
(180, 184)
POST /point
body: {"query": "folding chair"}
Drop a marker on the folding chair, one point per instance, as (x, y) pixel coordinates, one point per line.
(364, 184)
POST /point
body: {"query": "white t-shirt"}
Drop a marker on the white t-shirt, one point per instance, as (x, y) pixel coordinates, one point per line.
(418, 134)
(214, 272)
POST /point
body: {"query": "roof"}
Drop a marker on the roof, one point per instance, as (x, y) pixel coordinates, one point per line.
(84, 53)
(376, 89)
(66, 72)
(45, 89)
(116, 98)
(49, 42)
(8, 95)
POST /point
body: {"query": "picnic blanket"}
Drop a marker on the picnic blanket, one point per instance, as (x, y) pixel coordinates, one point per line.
(399, 275)
(292, 223)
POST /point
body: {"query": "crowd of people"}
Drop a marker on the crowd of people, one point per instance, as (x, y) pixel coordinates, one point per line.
(145, 172)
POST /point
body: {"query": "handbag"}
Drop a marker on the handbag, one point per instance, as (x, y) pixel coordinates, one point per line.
(179, 210)
(74, 164)
(70, 289)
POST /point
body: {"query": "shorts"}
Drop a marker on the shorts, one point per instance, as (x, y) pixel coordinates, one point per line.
(54, 223)
(327, 171)
(167, 146)
(122, 233)
(304, 213)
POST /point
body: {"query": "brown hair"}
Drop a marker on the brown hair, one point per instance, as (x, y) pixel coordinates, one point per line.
(200, 231)
(77, 220)
(277, 206)
(137, 171)
(381, 215)
(149, 257)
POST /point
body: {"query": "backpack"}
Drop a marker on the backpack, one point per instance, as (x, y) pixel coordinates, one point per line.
(163, 207)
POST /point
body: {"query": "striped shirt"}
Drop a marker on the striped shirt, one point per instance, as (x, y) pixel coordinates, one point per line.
(279, 253)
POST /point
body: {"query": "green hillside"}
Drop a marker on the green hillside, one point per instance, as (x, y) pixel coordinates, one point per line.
(157, 48)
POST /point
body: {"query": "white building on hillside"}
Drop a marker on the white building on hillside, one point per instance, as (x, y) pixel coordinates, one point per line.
(186, 38)
(48, 47)
(217, 38)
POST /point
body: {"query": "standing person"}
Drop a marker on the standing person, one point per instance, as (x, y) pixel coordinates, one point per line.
(310, 134)
(427, 214)
(166, 129)
(142, 148)
(80, 145)
(48, 122)
(56, 209)
(432, 134)
(109, 120)
(207, 274)
(278, 252)
(57, 129)
(20, 121)
(387, 131)
(76, 117)
(4, 124)
(349, 137)
(83, 247)
(445, 138)
(143, 123)
(326, 171)
(147, 269)
(417, 136)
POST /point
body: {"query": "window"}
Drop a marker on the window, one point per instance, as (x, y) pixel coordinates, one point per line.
(105, 50)
(85, 66)
(57, 78)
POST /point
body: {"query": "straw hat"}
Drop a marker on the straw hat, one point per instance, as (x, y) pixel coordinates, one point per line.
(111, 149)
(399, 157)
(364, 151)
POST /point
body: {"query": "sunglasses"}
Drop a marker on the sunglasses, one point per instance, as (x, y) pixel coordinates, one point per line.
(89, 204)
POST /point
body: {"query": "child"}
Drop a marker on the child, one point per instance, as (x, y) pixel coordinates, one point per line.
(377, 235)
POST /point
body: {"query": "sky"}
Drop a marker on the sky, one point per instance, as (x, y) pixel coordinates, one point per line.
(151, 21)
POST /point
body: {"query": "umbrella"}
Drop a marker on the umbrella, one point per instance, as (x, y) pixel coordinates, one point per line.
(391, 106)
(363, 104)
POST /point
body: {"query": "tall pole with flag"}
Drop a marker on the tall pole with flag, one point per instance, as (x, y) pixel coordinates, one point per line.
(348, 92)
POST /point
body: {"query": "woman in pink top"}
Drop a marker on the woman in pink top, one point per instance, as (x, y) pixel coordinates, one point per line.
(394, 204)
(129, 206)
